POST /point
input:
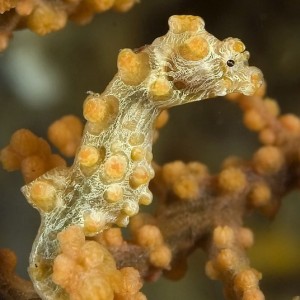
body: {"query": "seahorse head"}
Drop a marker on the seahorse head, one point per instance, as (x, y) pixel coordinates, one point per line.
(200, 66)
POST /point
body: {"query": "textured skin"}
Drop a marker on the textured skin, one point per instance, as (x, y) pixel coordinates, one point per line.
(111, 171)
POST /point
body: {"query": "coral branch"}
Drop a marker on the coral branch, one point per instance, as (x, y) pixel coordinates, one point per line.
(211, 216)
(12, 286)
(45, 16)
(196, 209)
(230, 265)
(86, 270)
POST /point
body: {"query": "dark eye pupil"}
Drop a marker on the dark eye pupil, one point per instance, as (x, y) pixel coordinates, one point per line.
(230, 63)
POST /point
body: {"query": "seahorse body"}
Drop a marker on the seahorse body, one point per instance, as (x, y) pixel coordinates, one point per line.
(112, 168)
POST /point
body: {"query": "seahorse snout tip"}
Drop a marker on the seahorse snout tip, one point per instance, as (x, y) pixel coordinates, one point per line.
(256, 80)
(253, 79)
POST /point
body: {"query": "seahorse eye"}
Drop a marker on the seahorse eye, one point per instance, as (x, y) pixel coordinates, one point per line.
(230, 63)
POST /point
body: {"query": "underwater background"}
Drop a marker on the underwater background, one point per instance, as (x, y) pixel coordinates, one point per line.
(44, 78)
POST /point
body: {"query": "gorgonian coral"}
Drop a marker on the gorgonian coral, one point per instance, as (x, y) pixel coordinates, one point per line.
(112, 167)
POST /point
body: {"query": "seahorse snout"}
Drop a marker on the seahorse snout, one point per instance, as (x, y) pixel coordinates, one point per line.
(253, 81)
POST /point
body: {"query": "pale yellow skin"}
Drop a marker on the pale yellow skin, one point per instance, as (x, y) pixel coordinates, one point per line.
(112, 168)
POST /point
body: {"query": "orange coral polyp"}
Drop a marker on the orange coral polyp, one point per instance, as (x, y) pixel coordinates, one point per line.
(33, 167)
(247, 279)
(89, 271)
(268, 160)
(149, 236)
(100, 5)
(9, 159)
(253, 120)
(161, 257)
(183, 23)
(65, 134)
(245, 237)
(260, 195)
(186, 188)
(232, 180)
(162, 119)
(112, 237)
(123, 5)
(24, 142)
(223, 237)
(7, 5)
(45, 19)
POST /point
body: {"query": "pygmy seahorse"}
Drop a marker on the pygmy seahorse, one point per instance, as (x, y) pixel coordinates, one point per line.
(112, 168)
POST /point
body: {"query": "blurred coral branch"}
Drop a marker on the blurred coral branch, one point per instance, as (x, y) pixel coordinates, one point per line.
(45, 16)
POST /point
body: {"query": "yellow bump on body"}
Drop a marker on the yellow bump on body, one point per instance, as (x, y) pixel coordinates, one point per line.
(88, 156)
(131, 208)
(194, 48)
(133, 67)
(95, 109)
(136, 139)
(93, 222)
(138, 177)
(115, 167)
(137, 153)
(149, 156)
(100, 111)
(227, 83)
(180, 24)
(122, 220)
(100, 5)
(146, 199)
(114, 193)
(130, 125)
(43, 195)
(238, 46)
(160, 89)
(256, 79)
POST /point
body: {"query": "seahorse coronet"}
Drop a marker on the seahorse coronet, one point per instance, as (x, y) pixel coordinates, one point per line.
(111, 171)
